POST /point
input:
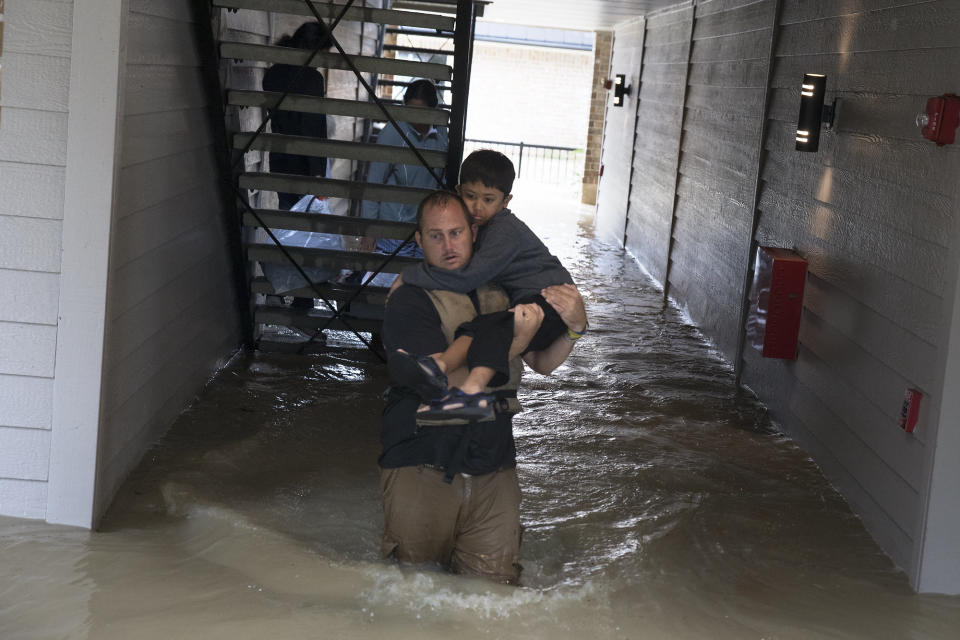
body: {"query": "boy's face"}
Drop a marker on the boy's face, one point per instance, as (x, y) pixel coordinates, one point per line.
(483, 202)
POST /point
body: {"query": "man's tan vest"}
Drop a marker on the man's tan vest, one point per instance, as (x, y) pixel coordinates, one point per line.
(456, 308)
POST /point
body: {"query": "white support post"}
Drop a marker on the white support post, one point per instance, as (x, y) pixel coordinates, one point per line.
(97, 63)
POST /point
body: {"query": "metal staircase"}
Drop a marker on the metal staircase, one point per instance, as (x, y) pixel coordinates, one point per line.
(341, 306)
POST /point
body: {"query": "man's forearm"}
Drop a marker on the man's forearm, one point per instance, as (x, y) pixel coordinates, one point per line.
(546, 361)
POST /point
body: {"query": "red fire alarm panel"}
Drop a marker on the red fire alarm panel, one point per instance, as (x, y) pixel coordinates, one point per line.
(776, 302)
(910, 410)
(943, 116)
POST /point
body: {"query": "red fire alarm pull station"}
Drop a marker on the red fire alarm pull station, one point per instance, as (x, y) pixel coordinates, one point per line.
(942, 118)
(776, 302)
(910, 410)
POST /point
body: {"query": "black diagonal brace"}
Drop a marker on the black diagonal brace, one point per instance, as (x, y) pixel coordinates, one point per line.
(337, 312)
(303, 274)
(383, 109)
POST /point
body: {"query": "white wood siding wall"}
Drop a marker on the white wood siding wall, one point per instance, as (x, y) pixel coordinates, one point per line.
(873, 212)
(33, 141)
(171, 305)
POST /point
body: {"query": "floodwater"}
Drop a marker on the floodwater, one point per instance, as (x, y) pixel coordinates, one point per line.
(658, 503)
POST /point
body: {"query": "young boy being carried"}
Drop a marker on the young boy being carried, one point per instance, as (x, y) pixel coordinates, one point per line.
(509, 254)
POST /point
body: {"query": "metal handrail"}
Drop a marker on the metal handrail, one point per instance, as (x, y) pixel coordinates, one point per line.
(521, 146)
(526, 145)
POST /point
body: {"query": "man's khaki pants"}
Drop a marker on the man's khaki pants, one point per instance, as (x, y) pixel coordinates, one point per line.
(470, 526)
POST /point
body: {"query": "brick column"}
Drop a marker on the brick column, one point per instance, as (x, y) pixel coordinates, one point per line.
(384, 91)
(602, 49)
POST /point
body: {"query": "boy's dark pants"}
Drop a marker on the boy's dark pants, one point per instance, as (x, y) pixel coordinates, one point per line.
(492, 335)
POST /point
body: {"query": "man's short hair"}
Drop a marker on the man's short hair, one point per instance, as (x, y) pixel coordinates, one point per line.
(441, 199)
(490, 168)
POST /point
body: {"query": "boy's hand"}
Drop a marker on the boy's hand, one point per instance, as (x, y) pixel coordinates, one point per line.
(526, 321)
(566, 299)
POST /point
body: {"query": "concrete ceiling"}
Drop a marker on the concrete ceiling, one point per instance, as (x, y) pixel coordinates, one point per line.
(587, 15)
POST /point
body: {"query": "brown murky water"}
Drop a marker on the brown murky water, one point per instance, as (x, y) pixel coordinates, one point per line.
(659, 503)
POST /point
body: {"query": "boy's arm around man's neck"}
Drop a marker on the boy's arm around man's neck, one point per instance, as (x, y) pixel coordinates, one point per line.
(496, 249)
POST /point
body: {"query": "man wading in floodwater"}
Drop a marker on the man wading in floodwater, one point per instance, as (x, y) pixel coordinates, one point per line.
(450, 492)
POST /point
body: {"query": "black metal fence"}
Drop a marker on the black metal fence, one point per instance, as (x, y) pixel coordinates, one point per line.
(536, 162)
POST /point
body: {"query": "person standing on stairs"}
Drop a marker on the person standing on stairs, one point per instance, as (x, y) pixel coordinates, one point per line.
(294, 79)
(309, 81)
(419, 93)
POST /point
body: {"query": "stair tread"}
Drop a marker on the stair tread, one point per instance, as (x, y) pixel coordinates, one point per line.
(329, 223)
(325, 147)
(354, 14)
(403, 83)
(266, 314)
(333, 188)
(329, 258)
(334, 292)
(337, 107)
(397, 47)
(292, 56)
(424, 33)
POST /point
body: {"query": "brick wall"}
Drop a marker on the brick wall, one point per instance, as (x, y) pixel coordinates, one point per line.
(603, 45)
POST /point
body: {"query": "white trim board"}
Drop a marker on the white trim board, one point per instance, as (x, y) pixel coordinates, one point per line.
(98, 58)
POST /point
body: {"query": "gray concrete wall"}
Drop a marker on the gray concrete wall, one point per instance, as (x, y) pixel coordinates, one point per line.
(874, 213)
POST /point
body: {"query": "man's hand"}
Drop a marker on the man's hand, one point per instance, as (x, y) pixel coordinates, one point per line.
(526, 321)
(566, 299)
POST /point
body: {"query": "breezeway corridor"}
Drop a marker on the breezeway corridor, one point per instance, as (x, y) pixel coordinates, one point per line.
(658, 503)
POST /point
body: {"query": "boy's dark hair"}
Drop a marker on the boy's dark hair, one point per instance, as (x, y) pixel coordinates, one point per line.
(422, 90)
(490, 168)
(441, 199)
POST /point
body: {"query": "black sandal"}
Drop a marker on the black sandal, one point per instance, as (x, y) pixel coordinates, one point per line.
(420, 373)
(457, 407)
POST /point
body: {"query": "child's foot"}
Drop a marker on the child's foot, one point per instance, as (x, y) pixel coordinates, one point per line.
(420, 373)
(457, 407)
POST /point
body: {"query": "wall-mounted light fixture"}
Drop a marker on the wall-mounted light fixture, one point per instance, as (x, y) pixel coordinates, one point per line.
(813, 113)
(620, 89)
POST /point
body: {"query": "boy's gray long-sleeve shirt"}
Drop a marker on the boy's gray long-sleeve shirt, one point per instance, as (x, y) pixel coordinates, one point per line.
(507, 253)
